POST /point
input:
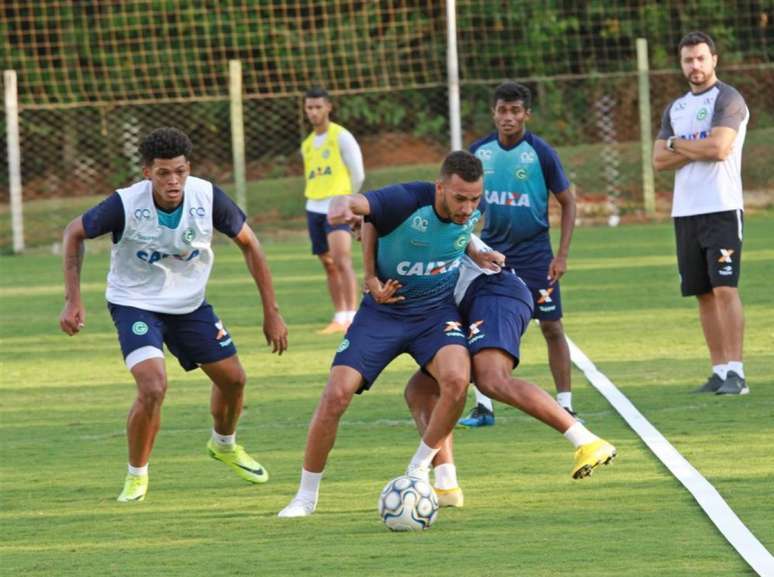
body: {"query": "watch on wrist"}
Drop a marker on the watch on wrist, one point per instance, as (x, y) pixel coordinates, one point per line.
(670, 143)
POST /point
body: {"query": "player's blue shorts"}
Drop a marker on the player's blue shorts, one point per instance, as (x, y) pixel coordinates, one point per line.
(377, 336)
(547, 297)
(319, 228)
(497, 310)
(195, 338)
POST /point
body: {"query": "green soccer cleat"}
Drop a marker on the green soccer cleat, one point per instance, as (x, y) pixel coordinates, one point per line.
(590, 456)
(238, 459)
(135, 487)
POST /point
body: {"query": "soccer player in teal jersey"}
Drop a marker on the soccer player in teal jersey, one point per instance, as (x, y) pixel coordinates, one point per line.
(423, 231)
(520, 171)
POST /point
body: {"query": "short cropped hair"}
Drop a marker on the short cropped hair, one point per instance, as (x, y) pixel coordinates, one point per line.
(510, 91)
(462, 163)
(317, 92)
(696, 37)
(165, 143)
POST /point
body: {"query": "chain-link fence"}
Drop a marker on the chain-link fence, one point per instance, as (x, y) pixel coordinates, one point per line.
(87, 95)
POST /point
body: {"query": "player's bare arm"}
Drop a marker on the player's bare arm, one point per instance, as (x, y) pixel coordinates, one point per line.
(715, 148)
(73, 316)
(558, 265)
(274, 328)
(382, 293)
(665, 159)
(347, 208)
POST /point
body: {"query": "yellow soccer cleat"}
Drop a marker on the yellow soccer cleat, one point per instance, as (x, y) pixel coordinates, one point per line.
(237, 458)
(135, 487)
(333, 328)
(590, 456)
(450, 497)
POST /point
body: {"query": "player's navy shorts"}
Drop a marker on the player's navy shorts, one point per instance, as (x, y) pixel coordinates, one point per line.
(377, 336)
(319, 228)
(195, 338)
(547, 297)
(709, 250)
(497, 310)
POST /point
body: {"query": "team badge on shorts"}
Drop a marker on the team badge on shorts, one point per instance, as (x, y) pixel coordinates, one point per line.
(140, 328)
(343, 346)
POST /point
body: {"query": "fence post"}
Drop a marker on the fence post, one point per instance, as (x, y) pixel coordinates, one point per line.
(237, 131)
(14, 158)
(646, 140)
(453, 73)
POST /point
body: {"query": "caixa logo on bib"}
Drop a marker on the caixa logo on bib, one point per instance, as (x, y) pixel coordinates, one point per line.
(154, 256)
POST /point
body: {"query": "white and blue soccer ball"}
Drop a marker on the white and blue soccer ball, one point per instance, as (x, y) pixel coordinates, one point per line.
(408, 504)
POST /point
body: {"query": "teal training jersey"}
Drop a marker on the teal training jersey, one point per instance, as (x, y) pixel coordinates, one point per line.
(517, 181)
(416, 247)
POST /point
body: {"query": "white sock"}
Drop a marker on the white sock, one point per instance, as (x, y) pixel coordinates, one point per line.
(224, 441)
(309, 487)
(720, 370)
(735, 366)
(579, 435)
(340, 317)
(482, 399)
(446, 476)
(565, 399)
(350, 315)
(424, 456)
(138, 471)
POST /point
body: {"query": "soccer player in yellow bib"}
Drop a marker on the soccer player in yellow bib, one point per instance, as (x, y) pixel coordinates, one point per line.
(333, 166)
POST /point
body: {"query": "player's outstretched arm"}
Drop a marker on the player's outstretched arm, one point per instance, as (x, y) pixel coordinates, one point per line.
(274, 328)
(558, 265)
(345, 209)
(73, 316)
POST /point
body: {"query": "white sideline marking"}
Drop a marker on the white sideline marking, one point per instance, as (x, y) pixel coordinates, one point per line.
(724, 518)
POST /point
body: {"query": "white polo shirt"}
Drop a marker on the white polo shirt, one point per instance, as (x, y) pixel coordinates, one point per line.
(704, 186)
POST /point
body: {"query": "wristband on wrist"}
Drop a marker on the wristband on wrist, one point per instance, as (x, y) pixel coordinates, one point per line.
(670, 143)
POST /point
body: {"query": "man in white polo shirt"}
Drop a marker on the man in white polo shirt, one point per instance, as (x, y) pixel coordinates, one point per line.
(701, 139)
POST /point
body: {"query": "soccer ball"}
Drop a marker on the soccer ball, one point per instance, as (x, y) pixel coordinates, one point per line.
(408, 504)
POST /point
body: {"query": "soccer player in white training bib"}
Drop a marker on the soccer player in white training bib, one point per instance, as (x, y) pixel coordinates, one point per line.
(701, 139)
(162, 229)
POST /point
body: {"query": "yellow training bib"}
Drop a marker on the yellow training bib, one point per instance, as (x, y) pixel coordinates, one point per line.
(326, 173)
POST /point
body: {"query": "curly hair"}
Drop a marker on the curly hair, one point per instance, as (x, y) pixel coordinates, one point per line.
(165, 143)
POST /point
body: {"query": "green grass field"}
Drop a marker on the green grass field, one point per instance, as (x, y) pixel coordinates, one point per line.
(63, 404)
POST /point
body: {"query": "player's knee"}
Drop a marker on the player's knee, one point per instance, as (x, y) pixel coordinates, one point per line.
(342, 262)
(493, 382)
(454, 385)
(725, 294)
(335, 401)
(234, 380)
(327, 262)
(151, 390)
(552, 330)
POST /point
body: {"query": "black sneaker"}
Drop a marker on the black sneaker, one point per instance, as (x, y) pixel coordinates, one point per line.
(480, 416)
(574, 415)
(733, 385)
(712, 385)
